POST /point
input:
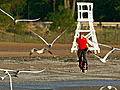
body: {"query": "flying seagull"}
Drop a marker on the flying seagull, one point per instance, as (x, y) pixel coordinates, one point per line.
(40, 51)
(105, 57)
(49, 44)
(15, 20)
(112, 49)
(15, 73)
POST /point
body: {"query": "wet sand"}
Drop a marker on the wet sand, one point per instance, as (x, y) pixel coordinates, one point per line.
(62, 66)
(66, 85)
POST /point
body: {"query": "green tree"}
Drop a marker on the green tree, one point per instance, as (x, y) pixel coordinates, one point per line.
(61, 19)
(104, 10)
(40, 8)
(15, 9)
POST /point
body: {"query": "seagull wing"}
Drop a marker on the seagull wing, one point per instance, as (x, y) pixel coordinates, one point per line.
(102, 87)
(117, 49)
(6, 70)
(38, 36)
(102, 60)
(60, 34)
(114, 88)
(95, 55)
(105, 57)
(106, 46)
(7, 14)
(28, 20)
(48, 51)
(102, 44)
(33, 71)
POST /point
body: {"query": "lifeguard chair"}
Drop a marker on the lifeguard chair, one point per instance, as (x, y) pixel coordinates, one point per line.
(85, 14)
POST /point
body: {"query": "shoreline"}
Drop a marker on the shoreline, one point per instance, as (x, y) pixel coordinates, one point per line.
(66, 85)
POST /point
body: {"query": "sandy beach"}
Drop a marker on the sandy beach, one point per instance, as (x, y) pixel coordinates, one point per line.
(62, 66)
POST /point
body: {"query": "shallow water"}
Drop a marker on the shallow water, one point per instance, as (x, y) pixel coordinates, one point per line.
(63, 84)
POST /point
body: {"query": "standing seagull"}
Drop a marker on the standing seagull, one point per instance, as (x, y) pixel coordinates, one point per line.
(39, 51)
(112, 49)
(15, 21)
(49, 44)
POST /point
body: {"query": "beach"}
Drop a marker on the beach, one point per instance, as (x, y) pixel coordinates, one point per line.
(62, 67)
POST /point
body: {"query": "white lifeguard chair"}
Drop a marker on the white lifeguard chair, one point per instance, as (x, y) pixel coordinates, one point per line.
(85, 14)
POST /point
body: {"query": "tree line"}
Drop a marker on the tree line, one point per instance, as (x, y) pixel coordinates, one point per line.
(104, 10)
(61, 12)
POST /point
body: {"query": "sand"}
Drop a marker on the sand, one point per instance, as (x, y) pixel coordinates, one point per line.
(61, 66)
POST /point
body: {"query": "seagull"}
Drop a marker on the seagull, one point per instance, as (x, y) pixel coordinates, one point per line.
(112, 49)
(15, 20)
(15, 73)
(108, 87)
(6, 71)
(105, 57)
(40, 51)
(49, 44)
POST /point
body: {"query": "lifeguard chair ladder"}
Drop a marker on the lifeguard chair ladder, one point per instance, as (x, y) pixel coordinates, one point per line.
(85, 14)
